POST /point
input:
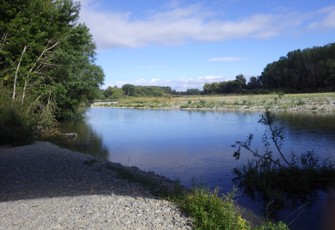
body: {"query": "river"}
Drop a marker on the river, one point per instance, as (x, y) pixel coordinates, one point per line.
(195, 146)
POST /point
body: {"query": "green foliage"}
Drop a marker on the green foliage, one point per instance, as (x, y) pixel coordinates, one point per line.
(113, 93)
(307, 70)
(213, 212)
(146, 91)
(47, 56)
(193, 92)
(272, 226)
(226, 87)
(209, 210)
(22, 124)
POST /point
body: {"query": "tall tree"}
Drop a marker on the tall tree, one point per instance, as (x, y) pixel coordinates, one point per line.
(46, 56)
(302, 70)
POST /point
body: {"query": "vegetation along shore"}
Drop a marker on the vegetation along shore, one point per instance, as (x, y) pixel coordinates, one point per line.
(48, 74)
(315, 102)
(45, 186)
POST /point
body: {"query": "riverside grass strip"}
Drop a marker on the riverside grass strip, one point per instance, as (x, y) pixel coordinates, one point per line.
(287, 102)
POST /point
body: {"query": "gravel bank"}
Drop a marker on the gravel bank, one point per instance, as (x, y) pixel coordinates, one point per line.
(43, 186)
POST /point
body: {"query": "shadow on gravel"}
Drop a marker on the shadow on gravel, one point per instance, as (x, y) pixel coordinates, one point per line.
(44, 170)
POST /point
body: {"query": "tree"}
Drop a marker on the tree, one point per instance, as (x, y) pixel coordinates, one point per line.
(113, 93)
(129, 90)
(193, 91)
(241, 80)
(211, 88)
(46, 56)
(302, 70)
(253, 83)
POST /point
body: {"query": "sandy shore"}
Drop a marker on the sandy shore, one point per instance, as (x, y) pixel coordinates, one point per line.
(43, 186)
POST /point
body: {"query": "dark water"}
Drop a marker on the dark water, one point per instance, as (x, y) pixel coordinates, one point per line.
(195, 146)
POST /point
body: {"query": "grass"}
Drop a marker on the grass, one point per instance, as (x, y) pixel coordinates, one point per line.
(290, 102)
(16, 125)
(208, 209)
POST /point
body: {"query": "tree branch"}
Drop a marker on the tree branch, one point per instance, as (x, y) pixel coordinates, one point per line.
(17, 72)
(38, 68)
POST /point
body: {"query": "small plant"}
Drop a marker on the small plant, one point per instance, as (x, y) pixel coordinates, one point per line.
(213, 212)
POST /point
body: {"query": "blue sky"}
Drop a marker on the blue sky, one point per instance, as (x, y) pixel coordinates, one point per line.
(186, 43)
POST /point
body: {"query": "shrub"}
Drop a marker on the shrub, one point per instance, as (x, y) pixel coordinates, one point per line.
(213, 212)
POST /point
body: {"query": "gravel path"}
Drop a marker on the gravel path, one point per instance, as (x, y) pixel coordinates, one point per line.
(43, 186)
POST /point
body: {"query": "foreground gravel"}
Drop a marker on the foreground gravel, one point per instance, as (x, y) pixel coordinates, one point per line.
(43, 186)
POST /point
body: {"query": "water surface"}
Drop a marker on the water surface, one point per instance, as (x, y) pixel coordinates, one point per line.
(195, 146)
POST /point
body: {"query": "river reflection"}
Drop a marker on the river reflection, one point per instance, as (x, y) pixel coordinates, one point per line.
(196, 145)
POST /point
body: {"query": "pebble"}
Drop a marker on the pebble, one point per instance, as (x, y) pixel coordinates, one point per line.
(43, 186)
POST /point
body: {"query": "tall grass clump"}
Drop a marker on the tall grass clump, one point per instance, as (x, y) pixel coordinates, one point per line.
(16, 127)
(210, 211)
(21, 124)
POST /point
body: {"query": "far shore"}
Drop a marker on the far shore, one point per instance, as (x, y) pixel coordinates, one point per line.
(312, 102)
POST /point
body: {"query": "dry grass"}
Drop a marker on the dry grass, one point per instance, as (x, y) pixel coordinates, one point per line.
(288, 102)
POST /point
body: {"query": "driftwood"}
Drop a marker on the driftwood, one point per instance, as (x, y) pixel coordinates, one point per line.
(71, 136)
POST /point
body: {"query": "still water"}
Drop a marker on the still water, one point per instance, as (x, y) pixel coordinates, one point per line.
(195, 146)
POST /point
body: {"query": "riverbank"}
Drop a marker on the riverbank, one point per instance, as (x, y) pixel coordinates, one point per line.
(315, 102)
(46, 187)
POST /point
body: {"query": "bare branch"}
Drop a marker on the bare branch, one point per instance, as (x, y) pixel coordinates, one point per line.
(3, 39)
(17, 72)
(41, 55)
(38, 68)
(273, 137)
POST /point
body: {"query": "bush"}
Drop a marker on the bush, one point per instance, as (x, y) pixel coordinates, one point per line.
(213, 212)
(21, 124)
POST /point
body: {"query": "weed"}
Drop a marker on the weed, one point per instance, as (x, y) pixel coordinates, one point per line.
(287, 102)
(211, 211)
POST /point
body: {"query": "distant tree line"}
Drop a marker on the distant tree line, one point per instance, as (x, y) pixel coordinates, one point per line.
(238, 85)
(143, 91)
(311, 69)
(308, 70)
(135, 91)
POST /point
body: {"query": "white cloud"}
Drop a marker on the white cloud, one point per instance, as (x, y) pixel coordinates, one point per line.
(325, 18)
(179, 84)
(180, 24)
(225, 59)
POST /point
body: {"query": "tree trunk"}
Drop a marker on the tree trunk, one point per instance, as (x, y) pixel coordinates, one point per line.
(17, 72)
